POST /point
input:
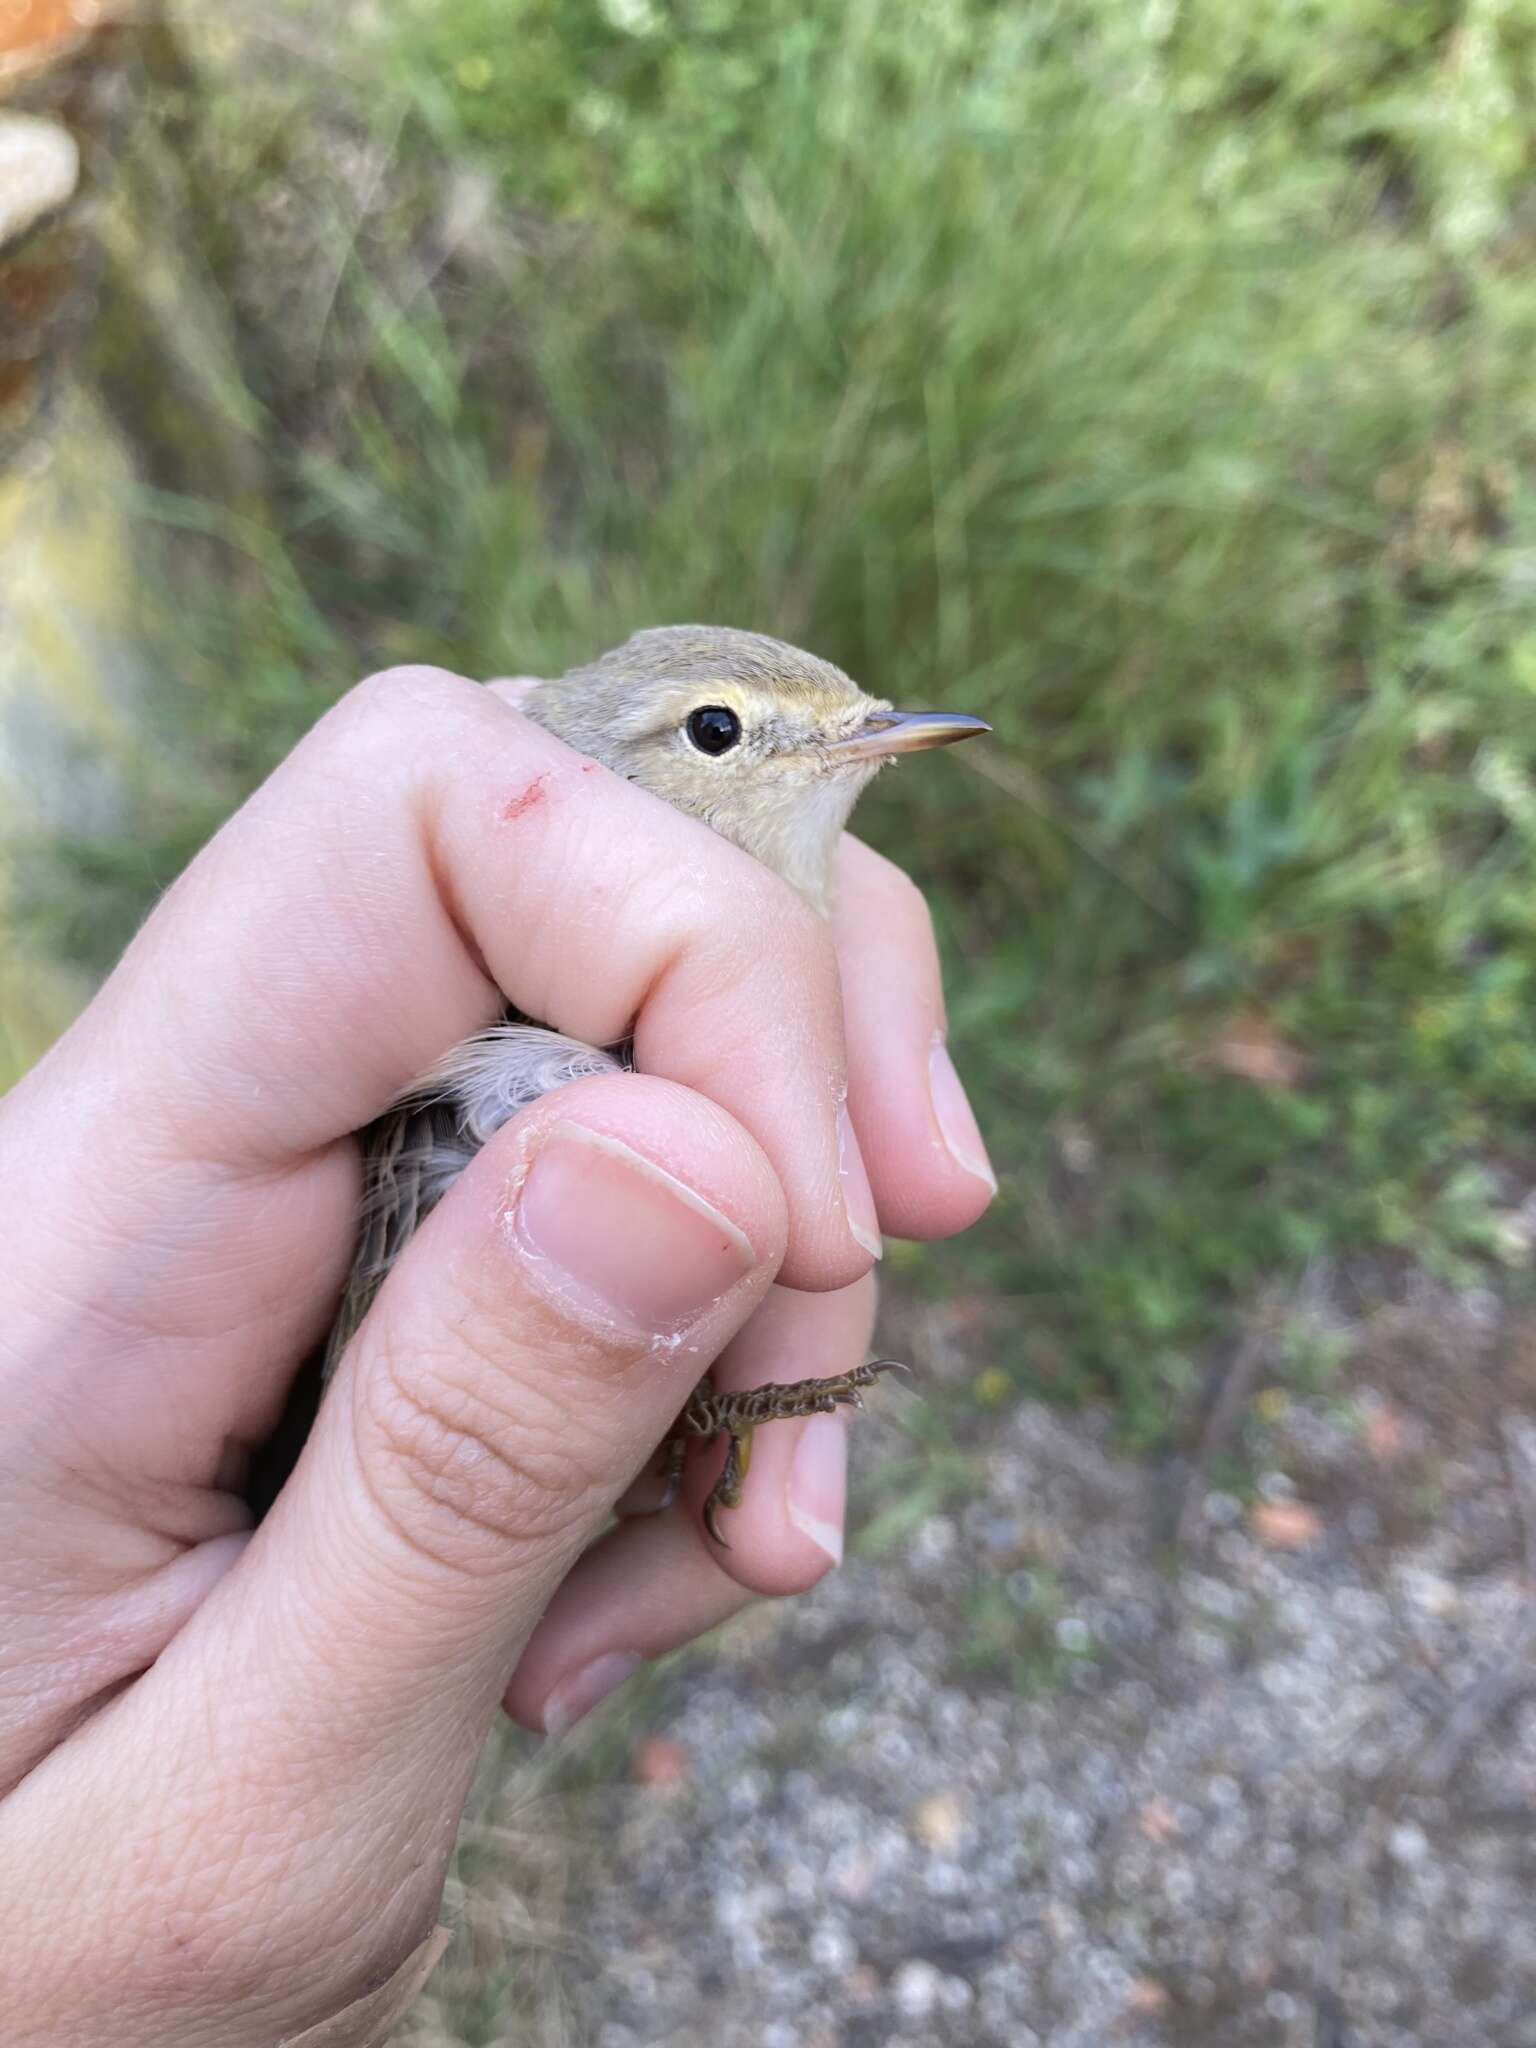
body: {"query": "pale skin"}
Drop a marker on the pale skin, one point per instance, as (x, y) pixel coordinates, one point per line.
(232, 1763)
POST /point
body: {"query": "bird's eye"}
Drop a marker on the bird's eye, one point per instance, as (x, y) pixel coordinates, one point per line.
(713, 729)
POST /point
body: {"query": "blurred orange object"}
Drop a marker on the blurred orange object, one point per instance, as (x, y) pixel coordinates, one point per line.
(34, 33)
(1252, 1048)
(659, 1763)
(1285, 1524)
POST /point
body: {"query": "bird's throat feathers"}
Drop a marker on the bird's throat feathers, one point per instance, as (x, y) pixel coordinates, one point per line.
(794, 826)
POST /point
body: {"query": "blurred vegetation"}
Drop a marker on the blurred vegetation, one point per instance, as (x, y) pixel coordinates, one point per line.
(1153, 377)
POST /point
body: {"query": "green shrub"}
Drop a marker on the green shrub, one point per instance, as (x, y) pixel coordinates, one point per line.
(1153, 379)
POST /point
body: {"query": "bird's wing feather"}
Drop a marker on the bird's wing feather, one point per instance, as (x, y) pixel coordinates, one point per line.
(417, 1149)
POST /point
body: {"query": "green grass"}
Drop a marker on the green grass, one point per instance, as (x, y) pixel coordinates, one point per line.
(1152, 380)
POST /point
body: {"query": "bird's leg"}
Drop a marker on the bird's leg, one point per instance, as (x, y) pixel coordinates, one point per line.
(710, 1415)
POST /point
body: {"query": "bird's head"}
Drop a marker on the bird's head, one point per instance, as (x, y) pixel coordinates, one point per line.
(767, 744)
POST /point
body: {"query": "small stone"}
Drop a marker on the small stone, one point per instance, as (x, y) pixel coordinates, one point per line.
(1064, 1923)
(1382, 1431)
(861, 1985)
(939, 1822)
(956, 1995)
(1363, 1522)
(659, 1763)
(831, 1948)
(1285, 1524)
(1147, 1999)
(936, 1540)
(851, 1874)
(1158, 1821)
(1430, 1592)
(1222, 1510)
(1001, 1536)
(1481, 1305)
(1408, 1845)
(915, 1990)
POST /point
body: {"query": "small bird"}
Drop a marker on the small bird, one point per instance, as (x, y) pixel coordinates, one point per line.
(768, 745)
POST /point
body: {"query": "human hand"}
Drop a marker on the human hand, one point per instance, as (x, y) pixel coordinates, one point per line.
(232, 1763)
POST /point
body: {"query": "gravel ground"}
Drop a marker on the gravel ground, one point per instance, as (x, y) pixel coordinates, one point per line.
(1039, 1777)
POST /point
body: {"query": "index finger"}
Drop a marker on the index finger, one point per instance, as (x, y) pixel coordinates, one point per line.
(427, 851)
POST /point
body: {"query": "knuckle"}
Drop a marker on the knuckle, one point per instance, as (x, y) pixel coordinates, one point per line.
(913, 903)
(880, 882)
(905, 900)
(408, 686)
(914, 920)
(858, 855)
(463, 1477)
(396, 705)
(771, 934)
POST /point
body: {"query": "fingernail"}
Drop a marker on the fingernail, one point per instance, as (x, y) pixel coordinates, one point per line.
(955, 1117)
(617, 1233)
(817, 1488)
(858, 1198)
(585, 1689)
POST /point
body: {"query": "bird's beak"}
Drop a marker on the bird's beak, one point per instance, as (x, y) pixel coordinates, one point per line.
(905, 732)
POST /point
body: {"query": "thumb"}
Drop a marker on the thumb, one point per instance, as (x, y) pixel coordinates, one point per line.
(519, 1367)
(521, 1363)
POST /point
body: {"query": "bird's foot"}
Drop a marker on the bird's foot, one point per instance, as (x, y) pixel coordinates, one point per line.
(709, 1415)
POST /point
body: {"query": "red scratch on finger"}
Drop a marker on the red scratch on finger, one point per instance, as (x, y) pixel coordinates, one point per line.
(515, 806)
